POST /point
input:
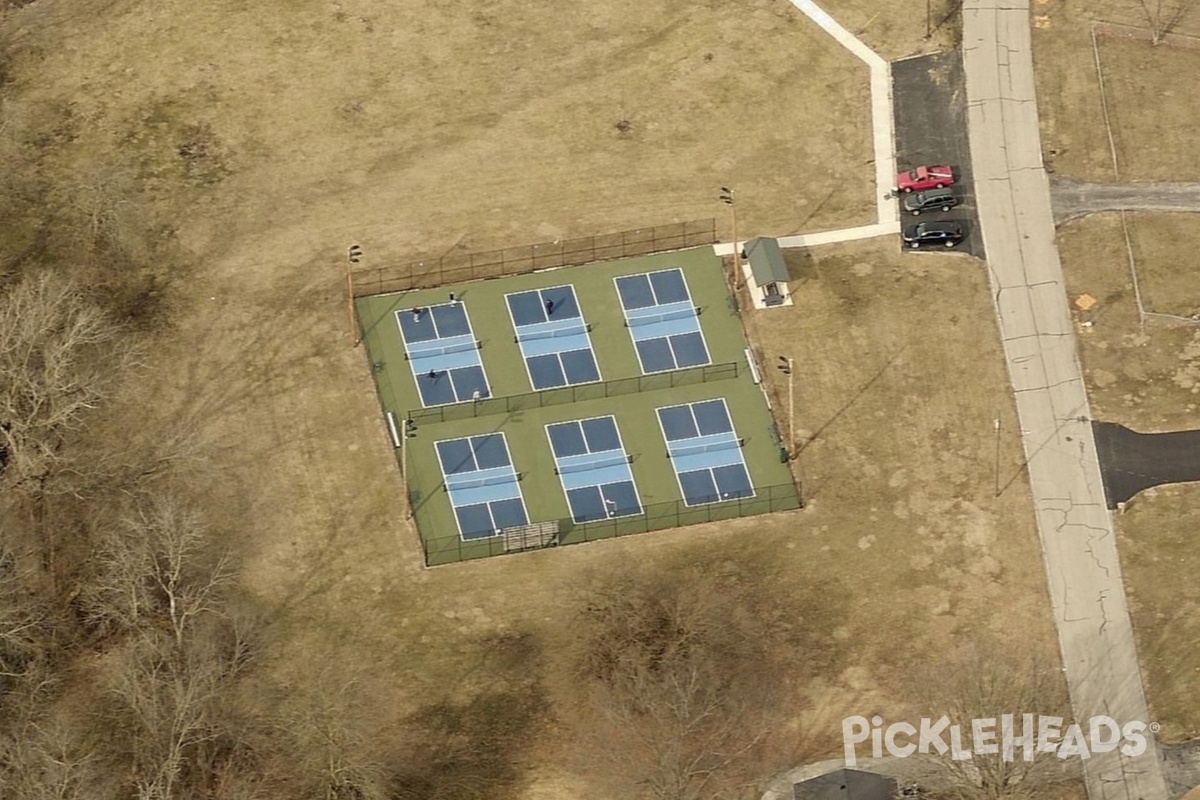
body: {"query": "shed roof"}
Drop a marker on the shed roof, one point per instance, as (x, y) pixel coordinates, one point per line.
(766, 261)
(846, 784)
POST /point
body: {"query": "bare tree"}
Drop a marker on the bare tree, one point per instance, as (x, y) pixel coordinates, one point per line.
(48, 759)
(23, 620)
(104, 211)
(680, 667)
(984, 681)
(333, 755)
(169, 702)
(57, 362)
(59, 358)
(156, 567)
(176, 705)
(1164, 18)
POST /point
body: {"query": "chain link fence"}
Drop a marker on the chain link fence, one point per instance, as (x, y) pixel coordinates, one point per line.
(574, 394)
(654, 517)
(465, 267)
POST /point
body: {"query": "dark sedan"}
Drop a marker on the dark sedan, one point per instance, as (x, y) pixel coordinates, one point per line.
(924, 234)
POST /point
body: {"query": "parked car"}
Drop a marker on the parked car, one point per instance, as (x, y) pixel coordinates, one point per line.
(916, 202)
(919, 179)
(947, 233)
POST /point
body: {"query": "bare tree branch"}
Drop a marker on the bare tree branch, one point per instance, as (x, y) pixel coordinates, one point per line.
(333, 755)
(679, 668)
(23, 620)
(1161, 26)
(156, 568)
(985, 681)
(48, 760)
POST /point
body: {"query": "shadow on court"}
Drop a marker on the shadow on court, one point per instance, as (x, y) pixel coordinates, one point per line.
(1131, 462)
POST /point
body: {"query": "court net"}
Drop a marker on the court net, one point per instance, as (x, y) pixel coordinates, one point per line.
(650, 319)
(711, 447)
(553, 333)
(469, 482)
(599, 462)
(424, 351)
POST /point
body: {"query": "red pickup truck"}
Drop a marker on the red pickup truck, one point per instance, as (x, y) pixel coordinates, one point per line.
(919, 179)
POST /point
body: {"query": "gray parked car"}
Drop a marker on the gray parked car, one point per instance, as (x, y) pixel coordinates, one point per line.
(929, 200)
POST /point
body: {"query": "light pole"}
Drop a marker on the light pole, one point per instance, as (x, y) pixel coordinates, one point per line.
(996, 470)
(410, 430)
(354, 255)
(786, 366)
(727, 199)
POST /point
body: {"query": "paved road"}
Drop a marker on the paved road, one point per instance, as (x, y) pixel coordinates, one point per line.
(1074, 199)
(1078, 542)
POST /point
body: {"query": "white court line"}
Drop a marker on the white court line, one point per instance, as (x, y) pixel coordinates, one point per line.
(691, 407)
(599, 486)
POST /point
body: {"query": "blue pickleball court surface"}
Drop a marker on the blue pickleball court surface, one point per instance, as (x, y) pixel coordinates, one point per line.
(553, 337)
(662, 320)
(592, 465)
(705, 451)
(443, 352)
(484, 489)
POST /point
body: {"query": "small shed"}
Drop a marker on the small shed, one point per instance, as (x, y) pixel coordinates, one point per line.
(768, 270)
(846, 784)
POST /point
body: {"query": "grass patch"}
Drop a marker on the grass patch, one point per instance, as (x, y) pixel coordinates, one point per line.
(1158, 556)
(1144, 87)
(1147, 379)
(1164, 252)
(422, 127)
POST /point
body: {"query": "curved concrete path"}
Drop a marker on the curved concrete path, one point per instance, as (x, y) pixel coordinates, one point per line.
(1073, 199)
(1078, 543)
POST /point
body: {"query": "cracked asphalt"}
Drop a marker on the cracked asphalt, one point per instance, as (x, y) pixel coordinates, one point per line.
(1075, 528)
(1071, 199)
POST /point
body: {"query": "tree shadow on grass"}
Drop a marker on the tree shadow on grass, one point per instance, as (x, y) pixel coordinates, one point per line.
(477, 749)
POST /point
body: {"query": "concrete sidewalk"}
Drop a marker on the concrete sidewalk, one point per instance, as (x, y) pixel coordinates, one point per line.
(887, 207)
(1078, 542)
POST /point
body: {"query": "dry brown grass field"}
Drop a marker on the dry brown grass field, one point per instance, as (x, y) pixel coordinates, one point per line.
(1158, 553)
(273, 137)
(1155, 124)
(1147, 378)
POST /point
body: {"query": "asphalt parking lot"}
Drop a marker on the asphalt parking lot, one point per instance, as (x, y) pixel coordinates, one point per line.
(930, 101)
